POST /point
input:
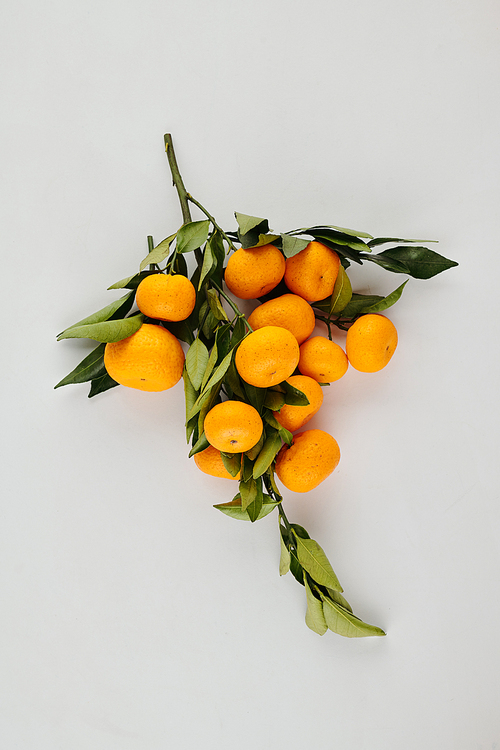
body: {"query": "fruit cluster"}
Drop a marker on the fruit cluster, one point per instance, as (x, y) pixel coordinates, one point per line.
(252, 384)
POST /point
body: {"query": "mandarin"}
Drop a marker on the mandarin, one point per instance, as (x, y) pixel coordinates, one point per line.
(371, 341)
(233, 426)
(210, 461)
(294, 417)
(322, 359)
(288, 311)
(267, 356)
(166, 297)
(253, 273)
(151, 359)
(311, 458)
(312, 272)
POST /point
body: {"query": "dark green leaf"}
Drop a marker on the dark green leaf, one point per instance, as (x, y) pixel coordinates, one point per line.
(209, 263)
(264, 239)
(249, 491)
(219, 371)
(300, 531)
(108, 331)
(101, 315)
(293, 396)
(343, 250)
(274, 400)
(342, 293)
(210, 366)
(256, 396)
(239, 332)
(256, 449)
(190, 393)
(199, 446)
(89, 368)
(255, 507)
(359, 303)
(100, 384)
(387, 240)
(232, 462)
(131, 282)
(339, 238)
(342, 230)
(419, 262)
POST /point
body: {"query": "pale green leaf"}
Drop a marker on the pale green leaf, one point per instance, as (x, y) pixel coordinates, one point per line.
(247, 223)
(292, 245)
(343, 622)
(108, 331)
(234, 509)
(285, 557)
(315, 618)
(315, 562)
(196, 362)
(158, 253)
(101, 315)
(193, 235)
(266, 455)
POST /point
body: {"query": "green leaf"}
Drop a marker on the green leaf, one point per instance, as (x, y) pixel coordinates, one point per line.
(219, 371)
(264, 239)
(234, 509)
(196, 362)
(131, 282)
(249, 491)
(199, 446)
(315, 618)
(300, 531)
(294, 397)
(215, 305)
(108, 331)
(254, 508)
(232, 462)
(89, 368)
(343, 622)
(359, 303)
(256, 449)
(209, 262)
(101, 384)
(292, 245)
(210, 366)
(256, 396)
(337, 597)
(315, 562)
(419, 262)
(343, 230)
(101, 315)
(386, 302)
(239, 332)
(285, 558)
(190, 393)
(387, 240)
(274, 400)
(192, 235)
(247, 223)
(267, 455)
(159, 253)
(234, 381)
(342, 293)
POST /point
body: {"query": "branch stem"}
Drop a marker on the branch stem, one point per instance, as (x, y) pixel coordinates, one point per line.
(219, 229)
(177, 179)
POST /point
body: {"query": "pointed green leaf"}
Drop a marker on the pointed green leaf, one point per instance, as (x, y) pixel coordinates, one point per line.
(284, 566)
(315, 618)
(196, 362)
(108, 331)
(274, 400)
(249, 492)
(210, 366)
(292, 245)
(342, 293)
(343, 622)
(159, 253)
(387, 240)
(199, 446)
(343, 230)
(359, 303)
(255, 507)
(101, 315)
(293, 396)
(254, 452)
(337, 597)
(219, 371)
(315, 562)
(386, 302)
(234, 381)
(247, 223)
(267, 455)
(192, 235)
(190, 393)
(234, 510)
(215, 305)
(419, 262)
(89, 368)
(131, 282)
(101, 384)
(232, 462)
(263, 239)
(208, 264)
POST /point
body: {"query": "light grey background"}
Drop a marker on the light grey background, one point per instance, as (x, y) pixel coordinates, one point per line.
(134, 615)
